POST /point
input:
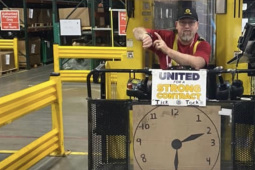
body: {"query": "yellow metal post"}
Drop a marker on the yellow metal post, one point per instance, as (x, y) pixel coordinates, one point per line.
(57, 113)
(15, 50)
(112, 33)
(56, 58)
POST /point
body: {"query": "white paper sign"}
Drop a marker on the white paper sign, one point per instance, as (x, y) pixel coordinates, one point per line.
(179, 87)
(7, 59)
(33, 48)
(31, 13)
(70, 27)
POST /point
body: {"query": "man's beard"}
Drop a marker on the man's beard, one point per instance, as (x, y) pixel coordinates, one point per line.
(187, 36)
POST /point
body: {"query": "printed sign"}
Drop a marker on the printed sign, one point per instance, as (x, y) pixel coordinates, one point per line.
(10, 20)
(122, 22)
(179, 87)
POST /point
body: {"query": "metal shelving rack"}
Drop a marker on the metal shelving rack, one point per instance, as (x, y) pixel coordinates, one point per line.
(54, 5)
(94, 29)
(27, 31)
(92, 5)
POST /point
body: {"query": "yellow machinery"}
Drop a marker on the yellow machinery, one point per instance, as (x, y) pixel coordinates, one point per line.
(136, 56)
(228, 30)
(228, 23)
(160, 14)
(223, 37)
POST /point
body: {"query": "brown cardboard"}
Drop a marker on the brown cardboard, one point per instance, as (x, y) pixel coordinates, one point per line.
(80, 13)
(162, 133)
(32, 15)
(34, 46)
(45, 16)
(6, 60)
(100, 9)
(101, 22)
(34, 59)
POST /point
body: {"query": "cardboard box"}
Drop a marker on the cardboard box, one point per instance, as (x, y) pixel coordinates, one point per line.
(45, 16)
(80, 13)
(100, 9)
(34, 59)
(32, 15)
(6, 60)
(101, 22)
(34, 46)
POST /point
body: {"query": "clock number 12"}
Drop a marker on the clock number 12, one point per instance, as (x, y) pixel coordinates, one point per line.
(174, 112)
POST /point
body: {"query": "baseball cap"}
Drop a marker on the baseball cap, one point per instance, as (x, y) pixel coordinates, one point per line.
(187, 13)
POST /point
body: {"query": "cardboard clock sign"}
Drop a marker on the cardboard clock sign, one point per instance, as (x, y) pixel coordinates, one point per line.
(176, 138)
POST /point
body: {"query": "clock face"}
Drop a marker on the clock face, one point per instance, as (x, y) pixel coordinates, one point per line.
(176, 138)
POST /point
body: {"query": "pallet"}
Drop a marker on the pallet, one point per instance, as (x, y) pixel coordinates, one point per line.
(41, 25)
(38, 25)
(6, 72)
(86, 28)
(24, 66)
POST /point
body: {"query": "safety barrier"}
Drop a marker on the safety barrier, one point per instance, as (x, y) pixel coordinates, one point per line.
(85, 52)
(11, 44)
(21, 103)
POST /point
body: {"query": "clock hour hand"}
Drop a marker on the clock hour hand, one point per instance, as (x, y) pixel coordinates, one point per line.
(176, 144)
(176, 160)
(192, 137)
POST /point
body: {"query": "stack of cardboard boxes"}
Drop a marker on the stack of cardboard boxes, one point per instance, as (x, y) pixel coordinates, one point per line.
(6, 61)
(34, 51)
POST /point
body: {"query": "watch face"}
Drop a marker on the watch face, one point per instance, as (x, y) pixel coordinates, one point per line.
(176, 138)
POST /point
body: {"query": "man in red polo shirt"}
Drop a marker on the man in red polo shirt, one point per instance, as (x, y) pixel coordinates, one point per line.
(182, 46)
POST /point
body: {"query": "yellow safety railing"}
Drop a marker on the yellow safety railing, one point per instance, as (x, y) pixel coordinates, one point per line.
(11, 44)
(21, 103)
(86, 52)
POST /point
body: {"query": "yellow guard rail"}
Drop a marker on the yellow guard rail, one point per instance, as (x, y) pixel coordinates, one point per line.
(86, 52)
(21, 103)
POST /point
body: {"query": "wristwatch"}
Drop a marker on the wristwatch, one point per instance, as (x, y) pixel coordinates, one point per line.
(149, 34)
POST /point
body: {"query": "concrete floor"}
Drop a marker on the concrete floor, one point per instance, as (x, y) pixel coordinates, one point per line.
(28, 128)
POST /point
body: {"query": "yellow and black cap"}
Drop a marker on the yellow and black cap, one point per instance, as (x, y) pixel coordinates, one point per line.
(187, 13)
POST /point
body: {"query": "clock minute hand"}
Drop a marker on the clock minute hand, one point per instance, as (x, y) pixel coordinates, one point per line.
(192, 137)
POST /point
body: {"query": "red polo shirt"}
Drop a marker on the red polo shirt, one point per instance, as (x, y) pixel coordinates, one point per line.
(203, 48)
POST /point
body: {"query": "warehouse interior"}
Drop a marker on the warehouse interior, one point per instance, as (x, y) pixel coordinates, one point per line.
(48, 61)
